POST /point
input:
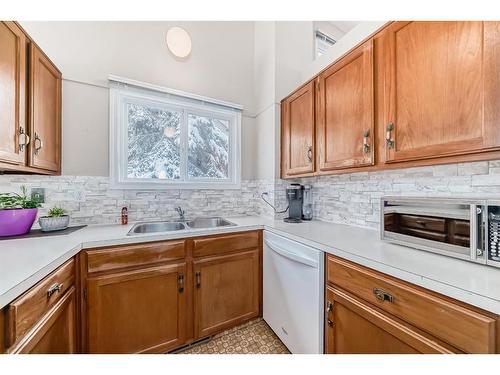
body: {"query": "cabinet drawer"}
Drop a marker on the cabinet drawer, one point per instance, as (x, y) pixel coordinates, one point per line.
(225, 244)
(115, 258)
(422, 222)
(24, 312)
(464, 328)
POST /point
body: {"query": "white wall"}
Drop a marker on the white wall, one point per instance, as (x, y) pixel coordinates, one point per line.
(220, 66)
(294, 52)
(266, 132)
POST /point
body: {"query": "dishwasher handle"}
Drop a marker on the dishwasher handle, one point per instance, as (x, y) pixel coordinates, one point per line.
(290, 255)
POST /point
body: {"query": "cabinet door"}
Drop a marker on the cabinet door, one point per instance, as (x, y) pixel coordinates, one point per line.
(297, 132)
(440, 78)
(55, 333)
(137, 311)
(354, 327)
(226, 291)
(13, 94)
(45, 112)
(345, 116)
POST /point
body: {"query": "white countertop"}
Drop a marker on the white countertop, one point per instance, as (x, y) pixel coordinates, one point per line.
(24, 262)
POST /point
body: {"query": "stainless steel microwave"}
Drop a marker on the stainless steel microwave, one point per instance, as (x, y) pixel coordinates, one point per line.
(462, 228)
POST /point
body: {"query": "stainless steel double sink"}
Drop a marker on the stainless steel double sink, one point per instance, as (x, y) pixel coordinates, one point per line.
(171, 226)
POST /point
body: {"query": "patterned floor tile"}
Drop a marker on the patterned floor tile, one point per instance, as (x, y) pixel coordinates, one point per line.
(253, 337)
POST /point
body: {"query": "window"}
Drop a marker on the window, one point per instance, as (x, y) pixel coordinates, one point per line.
(161, 138)
(323, 42)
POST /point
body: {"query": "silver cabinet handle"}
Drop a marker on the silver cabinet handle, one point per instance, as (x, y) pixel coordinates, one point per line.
(310, 154)
(23, 139)
(366, 141)
(382, 295)
(40, 143)
(53, 289)
(388, 135)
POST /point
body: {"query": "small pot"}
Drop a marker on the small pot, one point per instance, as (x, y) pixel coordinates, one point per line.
(49, 224)
(15, 222)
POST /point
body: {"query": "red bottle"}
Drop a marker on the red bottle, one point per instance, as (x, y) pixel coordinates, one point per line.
(124, 216)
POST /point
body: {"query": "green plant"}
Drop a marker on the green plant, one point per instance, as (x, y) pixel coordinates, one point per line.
(9, 201)
(56, 212)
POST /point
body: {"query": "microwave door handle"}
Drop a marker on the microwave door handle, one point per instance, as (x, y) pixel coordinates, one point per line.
(476, 232)
(473, 232)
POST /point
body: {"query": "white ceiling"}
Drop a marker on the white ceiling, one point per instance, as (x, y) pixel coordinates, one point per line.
(345, 26)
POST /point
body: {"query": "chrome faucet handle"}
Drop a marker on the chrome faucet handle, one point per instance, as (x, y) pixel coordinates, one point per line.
(180, 211)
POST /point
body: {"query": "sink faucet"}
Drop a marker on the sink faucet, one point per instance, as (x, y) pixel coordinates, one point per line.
(181, 213)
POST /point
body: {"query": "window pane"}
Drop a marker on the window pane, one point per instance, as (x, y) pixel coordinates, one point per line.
(154, 138)
(208, 155)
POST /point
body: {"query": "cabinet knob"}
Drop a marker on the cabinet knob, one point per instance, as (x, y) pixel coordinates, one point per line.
(23, 139)
(388, 136)
(38, 143)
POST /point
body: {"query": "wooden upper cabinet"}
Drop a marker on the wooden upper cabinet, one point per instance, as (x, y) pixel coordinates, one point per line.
(138, 311)
(45, 112)
(442, 81)
(226, 291)
(297, 132)
(345, 121)
(13, 52)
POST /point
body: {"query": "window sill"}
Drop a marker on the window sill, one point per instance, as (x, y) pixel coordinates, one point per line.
(162, 185)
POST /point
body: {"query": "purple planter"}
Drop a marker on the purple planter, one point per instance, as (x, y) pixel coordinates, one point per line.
(16, 222)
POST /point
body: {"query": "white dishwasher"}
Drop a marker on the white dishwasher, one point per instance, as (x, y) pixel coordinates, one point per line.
(294, 293)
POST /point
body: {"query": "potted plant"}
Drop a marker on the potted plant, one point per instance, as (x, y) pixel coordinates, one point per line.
(56, 220)
(17, 213)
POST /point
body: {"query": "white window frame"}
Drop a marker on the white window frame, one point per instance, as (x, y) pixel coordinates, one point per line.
(124, 91)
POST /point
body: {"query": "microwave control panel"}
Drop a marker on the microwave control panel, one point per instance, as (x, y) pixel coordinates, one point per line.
(494, 233)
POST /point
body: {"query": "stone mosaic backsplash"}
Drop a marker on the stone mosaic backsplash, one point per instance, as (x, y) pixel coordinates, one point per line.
(348, 198)
(89, 200)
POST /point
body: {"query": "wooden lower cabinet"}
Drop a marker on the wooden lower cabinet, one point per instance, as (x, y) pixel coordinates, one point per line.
(139, 311)
(370, 312)
(156, 297)
(2, 331)
(354, 327)
(43, 320)
(226, 291)
(55, 333)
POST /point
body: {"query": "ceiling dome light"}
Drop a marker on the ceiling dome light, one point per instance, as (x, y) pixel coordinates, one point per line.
(179, 42)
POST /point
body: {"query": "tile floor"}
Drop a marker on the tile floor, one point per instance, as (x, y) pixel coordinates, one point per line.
(253, 337)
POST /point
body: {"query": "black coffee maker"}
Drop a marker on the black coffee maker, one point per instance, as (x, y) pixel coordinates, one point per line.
(295, 198)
